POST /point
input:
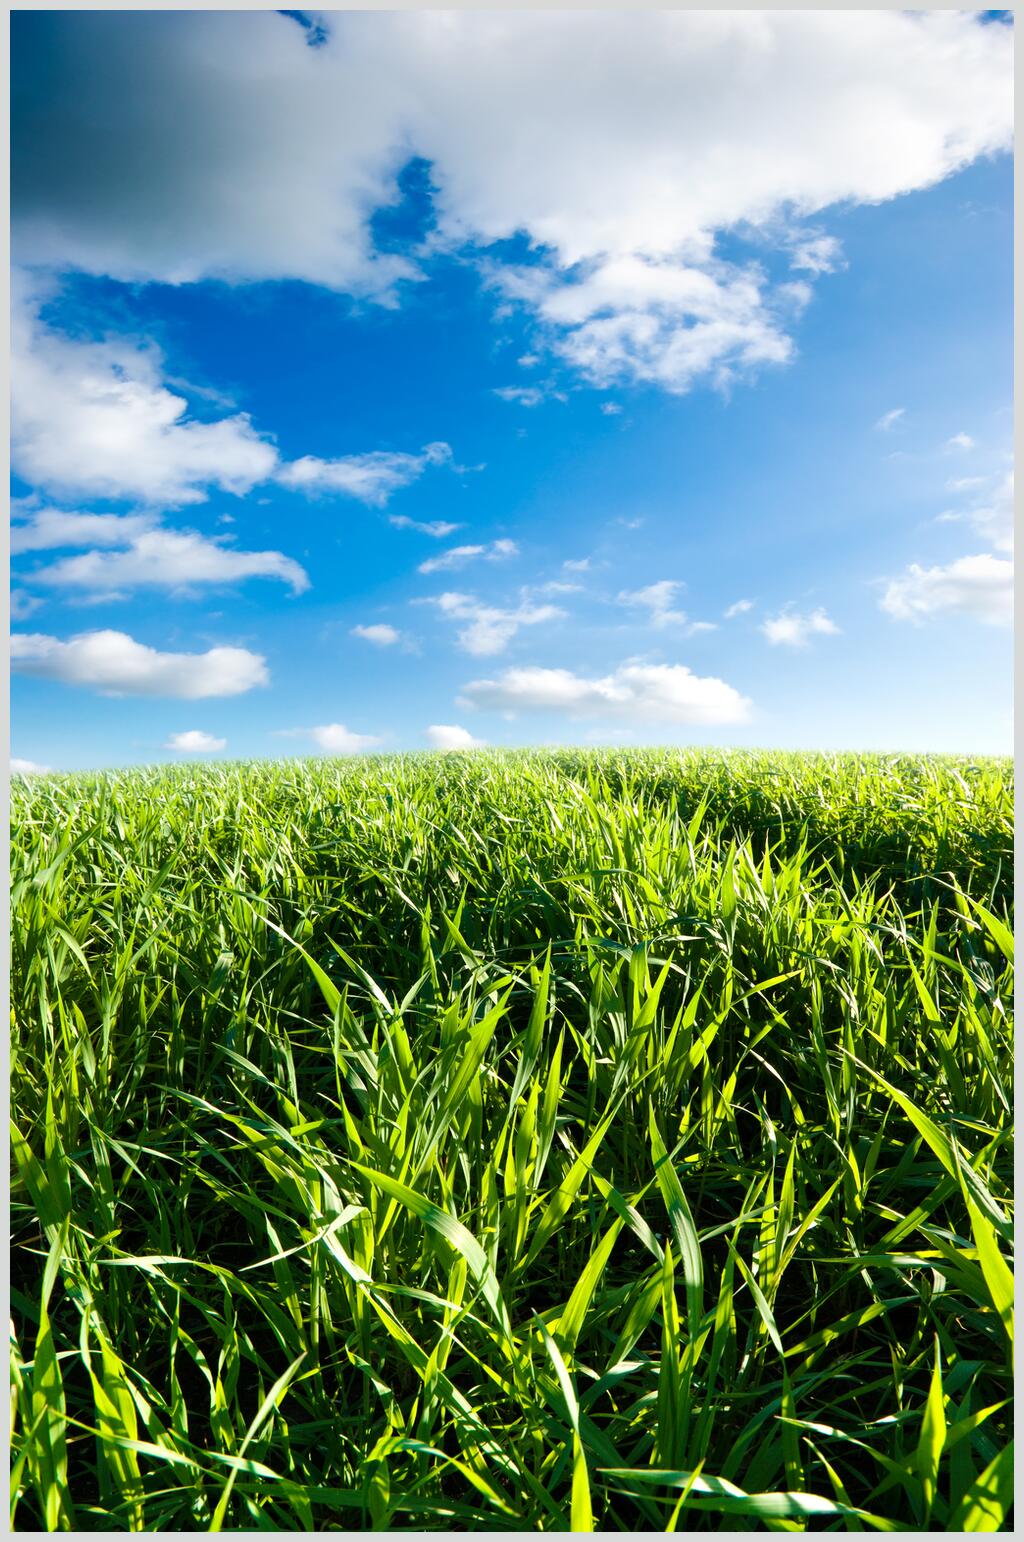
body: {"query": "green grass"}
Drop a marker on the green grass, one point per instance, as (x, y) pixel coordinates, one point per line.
(514, 1142)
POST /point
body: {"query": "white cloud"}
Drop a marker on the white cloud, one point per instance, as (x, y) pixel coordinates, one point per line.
(979, 586)
(95, 418)
(437, 528)
(992, 518)
(639, 137)
(23, 604)
(193, 741)
(793, 630)
(21, 767)
(960, 442)
(47, 529)
(816, 254)
(371, 478)
(526, 396)
(490, 629)
(964, 484)
(657, 600)
(577, 565)
(737, 608)
(334, 738)
(649, 693)
(168, 559)
(554, 587)
(449, 736)
(610, 409)
(889, 419)
(458, 556)
(116, 665)
(380, 633)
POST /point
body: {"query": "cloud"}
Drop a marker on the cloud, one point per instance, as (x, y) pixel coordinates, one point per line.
(334, 738)
(889, 419)
(737, 608)
(792, 630)
(48, 528)
(381, 634)
(992, 518)
(193, 741)
(21, 767)
(94, 418)
(168, 559)
(964, 484)
(816, 254)
(449, 736)
(660, 321)
(554, 587)
(23, 604)
(437, 528)
(610, 409)
(961, 442)
(526, 396)
(116, 665)
(577, 565)
(458, 556)
(490, 629)
(640, 138)
(657, 600)
(371, 478)
(662, 694)
(979, 586)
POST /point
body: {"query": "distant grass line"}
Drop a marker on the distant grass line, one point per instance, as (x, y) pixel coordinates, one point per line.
(514, 1141)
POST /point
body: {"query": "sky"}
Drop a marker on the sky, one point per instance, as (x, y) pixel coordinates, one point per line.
(408, 380)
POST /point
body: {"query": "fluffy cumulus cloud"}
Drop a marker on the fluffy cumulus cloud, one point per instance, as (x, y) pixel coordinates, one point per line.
(449, 736)
(178, 560)
(791, 630)
(979, 586)
(333, 738)
(458, 556)
(379, 633)
(116, 665)
(193, 741)
(96, 419)
(370, 478)
(488, 629)
(218, 144)
(651, 694)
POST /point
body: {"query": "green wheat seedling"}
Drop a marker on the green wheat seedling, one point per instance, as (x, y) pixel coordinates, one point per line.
(615, 1141)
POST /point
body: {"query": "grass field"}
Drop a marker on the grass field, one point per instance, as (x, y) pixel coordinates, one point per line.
(514, 1141)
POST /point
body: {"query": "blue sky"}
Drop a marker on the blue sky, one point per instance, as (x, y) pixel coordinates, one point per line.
(515, 380)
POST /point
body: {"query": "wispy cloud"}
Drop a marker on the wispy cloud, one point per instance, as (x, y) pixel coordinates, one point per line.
(436, 528)
(889, 419)
(737, 608)
(489, 629)
(979, 586)
(961, 442)
(371, 478)
(458, 556)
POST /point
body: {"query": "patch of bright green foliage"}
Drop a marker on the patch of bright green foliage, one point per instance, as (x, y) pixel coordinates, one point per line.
(514, 1141)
